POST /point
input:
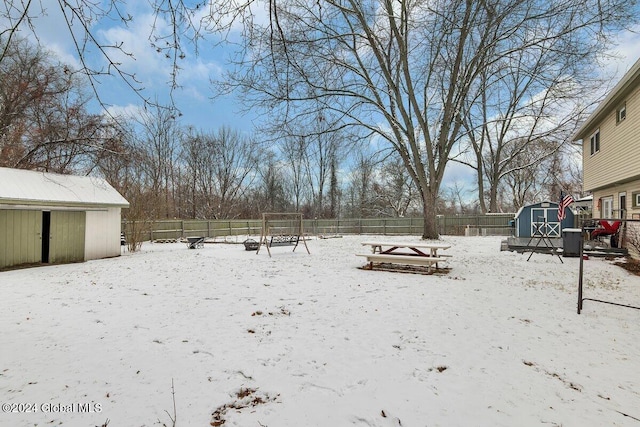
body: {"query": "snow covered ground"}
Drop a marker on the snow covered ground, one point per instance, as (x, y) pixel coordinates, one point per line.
(311, 340)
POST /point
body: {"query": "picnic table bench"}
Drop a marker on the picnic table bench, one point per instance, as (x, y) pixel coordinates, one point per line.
(410, 253)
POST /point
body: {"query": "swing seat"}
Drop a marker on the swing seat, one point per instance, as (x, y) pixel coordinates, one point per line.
(283, 241)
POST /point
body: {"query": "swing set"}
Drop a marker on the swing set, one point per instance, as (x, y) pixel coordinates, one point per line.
(281, 229)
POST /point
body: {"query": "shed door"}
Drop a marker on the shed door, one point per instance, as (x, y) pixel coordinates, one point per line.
(19, 237)
(66, 236)
(545, 221)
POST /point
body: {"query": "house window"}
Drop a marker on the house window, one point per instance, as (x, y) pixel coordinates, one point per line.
(595, 142)
(622, 204)
(621, 113)
(635, 199)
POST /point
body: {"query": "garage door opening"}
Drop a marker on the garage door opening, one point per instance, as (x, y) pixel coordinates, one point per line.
(46, 235)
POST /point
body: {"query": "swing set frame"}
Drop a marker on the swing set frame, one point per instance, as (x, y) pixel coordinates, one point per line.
(268, 238)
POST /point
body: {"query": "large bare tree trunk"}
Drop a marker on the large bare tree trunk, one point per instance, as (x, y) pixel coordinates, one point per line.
(430, 228)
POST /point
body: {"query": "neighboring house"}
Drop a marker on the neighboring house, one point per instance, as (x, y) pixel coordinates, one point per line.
(583, 206)
(611, 150)
(51, 218)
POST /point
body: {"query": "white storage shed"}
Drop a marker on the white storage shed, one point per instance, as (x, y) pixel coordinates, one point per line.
(52, 218)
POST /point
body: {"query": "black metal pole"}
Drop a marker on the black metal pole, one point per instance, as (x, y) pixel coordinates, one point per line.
(581, 271)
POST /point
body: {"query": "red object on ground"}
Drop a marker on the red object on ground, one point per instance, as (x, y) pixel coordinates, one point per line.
(606, 229)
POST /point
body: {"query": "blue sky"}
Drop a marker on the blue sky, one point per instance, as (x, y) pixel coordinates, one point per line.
(195, 97)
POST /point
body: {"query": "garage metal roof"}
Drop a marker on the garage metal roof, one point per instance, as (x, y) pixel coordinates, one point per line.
(18, 186)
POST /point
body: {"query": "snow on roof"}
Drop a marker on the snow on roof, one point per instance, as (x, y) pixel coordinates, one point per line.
(29, 187)
(534, 204)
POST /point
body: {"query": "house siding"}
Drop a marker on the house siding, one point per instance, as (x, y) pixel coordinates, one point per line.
(619, 155)
(631, 187)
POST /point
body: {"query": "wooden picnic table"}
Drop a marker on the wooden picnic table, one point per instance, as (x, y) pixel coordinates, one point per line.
(400, 248)
(413, 253)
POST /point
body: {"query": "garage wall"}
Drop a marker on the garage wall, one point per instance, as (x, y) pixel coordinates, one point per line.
(102, 235)
(20, 241)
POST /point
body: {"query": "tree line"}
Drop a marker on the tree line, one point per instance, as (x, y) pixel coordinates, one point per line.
(370, 102)
(167, 170)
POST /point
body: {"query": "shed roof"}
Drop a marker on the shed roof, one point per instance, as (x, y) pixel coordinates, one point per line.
(18, 186)
(533, 205)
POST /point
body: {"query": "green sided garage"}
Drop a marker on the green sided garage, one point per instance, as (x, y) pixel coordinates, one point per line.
(50, 218)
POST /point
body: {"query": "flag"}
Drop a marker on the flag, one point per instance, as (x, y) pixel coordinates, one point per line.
(565, 201)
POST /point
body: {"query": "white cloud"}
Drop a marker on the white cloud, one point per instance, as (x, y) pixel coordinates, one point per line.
(226, 14)
(625, 54)
(143, 61)
(127, 111)
(137, 55)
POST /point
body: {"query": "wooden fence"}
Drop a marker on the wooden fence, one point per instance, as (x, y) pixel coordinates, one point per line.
(447, 225)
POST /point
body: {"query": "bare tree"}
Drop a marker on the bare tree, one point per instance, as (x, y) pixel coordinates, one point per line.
(320, 152)
(121, 164)
(404, 71)
(270, 194)
(360, 198)
(195, 175)
(158, 141)
(527, 96)
(335, 192)
(294, 151)
(180, 27)
(118, 162)
(312, 147)
(455, 198)
(25, 77)
(234, 167)
(395, 194)
(532, 174)
(218, 169)
(44, 118)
